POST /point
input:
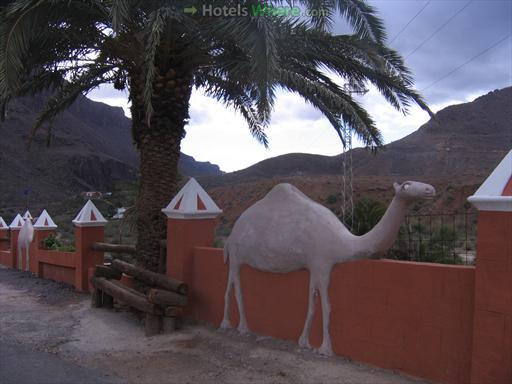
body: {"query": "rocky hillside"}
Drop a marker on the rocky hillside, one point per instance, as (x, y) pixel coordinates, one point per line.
(462, 141)
(455, 151)
(90, 149)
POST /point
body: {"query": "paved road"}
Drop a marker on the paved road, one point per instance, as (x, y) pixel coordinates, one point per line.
(19, 364)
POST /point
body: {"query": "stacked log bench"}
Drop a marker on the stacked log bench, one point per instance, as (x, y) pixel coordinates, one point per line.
(163, 296)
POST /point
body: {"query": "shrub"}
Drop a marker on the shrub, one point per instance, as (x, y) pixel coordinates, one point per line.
(51, 242)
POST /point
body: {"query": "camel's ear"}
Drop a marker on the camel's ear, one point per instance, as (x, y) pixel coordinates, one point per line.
(396, 186)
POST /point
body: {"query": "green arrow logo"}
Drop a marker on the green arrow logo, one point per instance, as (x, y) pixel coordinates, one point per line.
(192, 10)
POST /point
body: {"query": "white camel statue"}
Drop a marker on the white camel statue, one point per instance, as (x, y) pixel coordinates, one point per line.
(25, 238)
(287, 231)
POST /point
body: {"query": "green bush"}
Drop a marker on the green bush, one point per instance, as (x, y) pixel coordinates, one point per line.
(51, 242)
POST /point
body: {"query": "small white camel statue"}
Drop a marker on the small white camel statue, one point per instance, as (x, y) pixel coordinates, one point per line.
(24, 239)
(287, 231)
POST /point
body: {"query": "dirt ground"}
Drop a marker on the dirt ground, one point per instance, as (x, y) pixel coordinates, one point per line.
(51, 317)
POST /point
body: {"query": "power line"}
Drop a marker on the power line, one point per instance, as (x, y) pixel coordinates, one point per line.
(468, 61)
(439, 28)
(410, 21)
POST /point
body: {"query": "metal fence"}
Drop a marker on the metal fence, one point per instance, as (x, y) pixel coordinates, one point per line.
(438, 238)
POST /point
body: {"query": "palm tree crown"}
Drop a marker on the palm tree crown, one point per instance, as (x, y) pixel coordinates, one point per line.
(159, 54)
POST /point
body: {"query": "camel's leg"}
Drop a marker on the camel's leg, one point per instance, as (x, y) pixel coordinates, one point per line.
(20, 257)
(27, 266)
(226, 323)
(242, 325)
(304, 338)
(325, 348)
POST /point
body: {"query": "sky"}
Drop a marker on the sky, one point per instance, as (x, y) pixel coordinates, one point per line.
(457, 50)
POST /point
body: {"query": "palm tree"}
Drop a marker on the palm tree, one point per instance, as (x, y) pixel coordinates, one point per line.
(367, 213)
(160, 54)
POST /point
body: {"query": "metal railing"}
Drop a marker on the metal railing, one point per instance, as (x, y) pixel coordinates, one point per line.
(439, 238)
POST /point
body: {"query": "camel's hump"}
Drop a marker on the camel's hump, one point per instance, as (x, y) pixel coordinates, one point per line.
(285, 191)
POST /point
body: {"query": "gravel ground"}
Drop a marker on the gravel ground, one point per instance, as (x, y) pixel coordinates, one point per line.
(50, 317)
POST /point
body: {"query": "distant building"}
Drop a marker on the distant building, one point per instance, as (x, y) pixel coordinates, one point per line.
(120, 213)
(92, 195)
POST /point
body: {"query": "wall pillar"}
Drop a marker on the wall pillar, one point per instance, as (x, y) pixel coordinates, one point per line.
(39, 236)
(492, 323)
(89, 228)
(43, 227)
(15, 227)
(14, 248)
(4, 234)
(191, 221)
(182, 236)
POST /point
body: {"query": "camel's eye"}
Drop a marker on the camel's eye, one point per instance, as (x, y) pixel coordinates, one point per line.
(405, 187)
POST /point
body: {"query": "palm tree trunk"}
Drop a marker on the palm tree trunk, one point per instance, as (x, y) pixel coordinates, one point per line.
(159, 148)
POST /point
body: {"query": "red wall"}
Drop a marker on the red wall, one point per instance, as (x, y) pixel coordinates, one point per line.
(492, 337)
(414, 317)
(6, 258)
(57, 273)
(74, 268)
(58, 266)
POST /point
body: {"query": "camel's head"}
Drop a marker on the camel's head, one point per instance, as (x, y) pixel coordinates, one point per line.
(414, 190)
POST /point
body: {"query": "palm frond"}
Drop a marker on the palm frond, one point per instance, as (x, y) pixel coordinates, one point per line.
(232, 93)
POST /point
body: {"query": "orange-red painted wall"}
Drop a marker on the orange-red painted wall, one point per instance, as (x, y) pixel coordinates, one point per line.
(414, 317)
(74, 268)
(57, 273)
(6, 258)
(492, 337)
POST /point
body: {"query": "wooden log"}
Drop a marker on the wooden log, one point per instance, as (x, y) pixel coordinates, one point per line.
(166, 298)
(126, 295)
(129, 289)
(113, 248)
(107, 272)
(152, 324)
(151, 278)
(173, 312)
(96, 298)
(108, 301)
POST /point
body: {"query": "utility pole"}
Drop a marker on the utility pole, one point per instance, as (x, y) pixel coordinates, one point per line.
(347, 188)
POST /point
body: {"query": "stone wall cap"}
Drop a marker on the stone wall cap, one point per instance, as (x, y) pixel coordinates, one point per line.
(17, 223)
(27, 215)
(192, 202)
(44, 221)
(492, 194)
(89, 216)
(3, 225)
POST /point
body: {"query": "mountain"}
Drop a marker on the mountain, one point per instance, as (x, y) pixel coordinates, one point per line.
(455, 152)
(461, 141)
(90, 149)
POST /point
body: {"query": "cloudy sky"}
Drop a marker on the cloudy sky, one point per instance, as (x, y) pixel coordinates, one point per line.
(456, 49)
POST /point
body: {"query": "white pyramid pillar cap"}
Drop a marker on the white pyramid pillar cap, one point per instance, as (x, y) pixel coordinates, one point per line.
(44, 221)
(493, 194)
(89, 216)
(3, 225)
(192, 202)
(27, 215)
(17, 223)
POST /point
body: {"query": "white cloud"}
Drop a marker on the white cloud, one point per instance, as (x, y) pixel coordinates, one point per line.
(220, 135)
